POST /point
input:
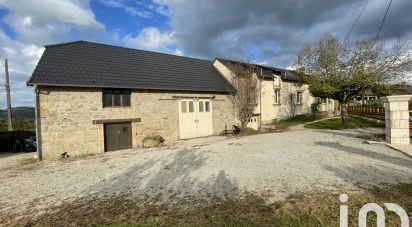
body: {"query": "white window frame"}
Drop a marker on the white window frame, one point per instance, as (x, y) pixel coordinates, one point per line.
(276, 96)
(299, 97)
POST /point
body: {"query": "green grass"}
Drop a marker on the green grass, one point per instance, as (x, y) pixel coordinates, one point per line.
(302, 119)
(336, 124)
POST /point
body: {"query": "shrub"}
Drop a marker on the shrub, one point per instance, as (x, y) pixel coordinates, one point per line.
(314, 107)
(152, 141)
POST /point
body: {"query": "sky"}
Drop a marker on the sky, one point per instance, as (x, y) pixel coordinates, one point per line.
(269, 32)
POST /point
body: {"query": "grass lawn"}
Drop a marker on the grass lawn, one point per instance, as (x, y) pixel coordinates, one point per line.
(336, 124)
(300, 209)
(302, 119)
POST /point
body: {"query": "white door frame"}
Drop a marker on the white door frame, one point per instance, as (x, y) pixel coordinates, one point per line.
(197, 123)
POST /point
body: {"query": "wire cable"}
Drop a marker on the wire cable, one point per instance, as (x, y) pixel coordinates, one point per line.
(356, 21)
(383, 20)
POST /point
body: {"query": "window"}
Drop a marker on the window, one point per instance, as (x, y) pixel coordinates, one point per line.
(191, 109)
(276, 81)
(183, 106)
(299, 97)
(200, 106)
(116, 97)
(276, 96)
(207, 106)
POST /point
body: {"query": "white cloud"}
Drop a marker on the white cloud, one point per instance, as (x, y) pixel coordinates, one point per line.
(153, 39)
(129, 9)
(38, 21)
(35, 23)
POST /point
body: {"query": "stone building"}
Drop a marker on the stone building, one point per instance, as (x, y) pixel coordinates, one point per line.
(92, 98)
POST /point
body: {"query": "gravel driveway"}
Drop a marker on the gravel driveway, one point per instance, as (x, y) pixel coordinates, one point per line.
(275, 163)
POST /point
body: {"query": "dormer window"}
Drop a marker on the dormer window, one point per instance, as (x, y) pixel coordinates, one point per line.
(276, 81)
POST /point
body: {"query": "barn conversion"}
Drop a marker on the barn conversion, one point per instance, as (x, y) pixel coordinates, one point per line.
(92, 98)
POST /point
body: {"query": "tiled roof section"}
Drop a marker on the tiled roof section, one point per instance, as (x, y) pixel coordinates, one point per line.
(86, 64)
(267, 71)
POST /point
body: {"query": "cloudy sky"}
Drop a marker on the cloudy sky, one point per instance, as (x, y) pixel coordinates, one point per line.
(266, 31)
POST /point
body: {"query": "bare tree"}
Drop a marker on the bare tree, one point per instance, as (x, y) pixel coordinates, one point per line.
(245, 90)
(293, 104)
(343, 70)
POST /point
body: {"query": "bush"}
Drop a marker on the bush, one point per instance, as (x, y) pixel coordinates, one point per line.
(152, 141)
(314, 107)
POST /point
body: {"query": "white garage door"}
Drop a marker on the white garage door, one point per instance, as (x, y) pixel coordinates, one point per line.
(195, 118)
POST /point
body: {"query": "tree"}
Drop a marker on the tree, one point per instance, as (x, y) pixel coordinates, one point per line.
(343, 70)
(293, 104)
(245, 90)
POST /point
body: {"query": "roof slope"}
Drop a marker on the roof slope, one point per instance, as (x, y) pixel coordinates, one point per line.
(267, 71)
(86, 64)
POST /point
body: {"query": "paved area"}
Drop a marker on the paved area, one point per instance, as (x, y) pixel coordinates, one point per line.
(276, 163)
(406, 149)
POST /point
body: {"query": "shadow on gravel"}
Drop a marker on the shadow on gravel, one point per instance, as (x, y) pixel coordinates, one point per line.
(156, 182)
(350, 134)
(405, 162)
(166, 178)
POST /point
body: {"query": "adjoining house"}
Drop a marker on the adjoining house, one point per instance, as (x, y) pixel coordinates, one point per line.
(281, 95)
(92, 98)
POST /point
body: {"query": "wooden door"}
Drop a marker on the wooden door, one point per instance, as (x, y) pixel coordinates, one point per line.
(187, 119)
(204, 118)
(118, 136)
(195, 118)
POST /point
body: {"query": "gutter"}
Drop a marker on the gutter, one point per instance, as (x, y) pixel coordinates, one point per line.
(38, 126)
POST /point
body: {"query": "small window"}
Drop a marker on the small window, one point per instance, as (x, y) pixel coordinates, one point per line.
(276, 81)
(191, 109)
(201, 106)
(183, 106)
(207, 106)
(299, 97)
(116, 97)
(276, 96)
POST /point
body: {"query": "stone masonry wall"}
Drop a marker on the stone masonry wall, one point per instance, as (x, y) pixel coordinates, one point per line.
(67, 114)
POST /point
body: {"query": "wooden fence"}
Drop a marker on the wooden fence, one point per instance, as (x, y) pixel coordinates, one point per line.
(7, 139)
(368, 111)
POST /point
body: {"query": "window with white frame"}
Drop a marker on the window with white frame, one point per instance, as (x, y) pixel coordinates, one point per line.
(276, 96)
(299, 97)
(276, 81)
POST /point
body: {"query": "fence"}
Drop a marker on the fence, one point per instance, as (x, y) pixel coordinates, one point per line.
(368, 111)
(8, 139)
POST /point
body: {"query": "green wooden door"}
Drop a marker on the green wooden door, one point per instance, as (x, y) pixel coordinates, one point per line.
(118, 136)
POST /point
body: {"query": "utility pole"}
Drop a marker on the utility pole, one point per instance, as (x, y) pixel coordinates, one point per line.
(9, 117)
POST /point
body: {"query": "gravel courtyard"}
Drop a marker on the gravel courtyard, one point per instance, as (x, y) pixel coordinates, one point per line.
(277, 164)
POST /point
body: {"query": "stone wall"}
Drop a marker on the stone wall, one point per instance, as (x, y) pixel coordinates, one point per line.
(67, 116)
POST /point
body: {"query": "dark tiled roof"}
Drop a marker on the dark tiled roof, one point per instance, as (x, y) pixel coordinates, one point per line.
(86, 64)
(267, 71)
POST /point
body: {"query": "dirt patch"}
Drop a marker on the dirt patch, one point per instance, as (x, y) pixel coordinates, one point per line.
(318, 208)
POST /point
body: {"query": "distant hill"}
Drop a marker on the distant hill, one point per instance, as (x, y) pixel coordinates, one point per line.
(19, 113)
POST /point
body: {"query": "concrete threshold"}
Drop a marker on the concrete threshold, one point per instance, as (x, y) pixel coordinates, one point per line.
(406, 149)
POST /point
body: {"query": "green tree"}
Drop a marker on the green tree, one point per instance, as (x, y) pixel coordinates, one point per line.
(343, 70)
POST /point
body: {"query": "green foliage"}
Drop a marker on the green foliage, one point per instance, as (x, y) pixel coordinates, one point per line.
(19, 113)
(152, 141)
(314, 107)
(354, 122)
(343, 70)
(19, 125)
